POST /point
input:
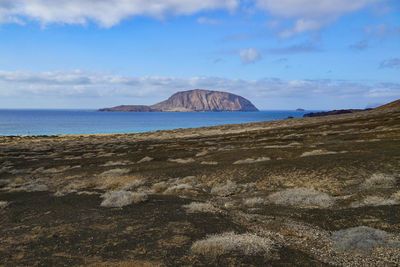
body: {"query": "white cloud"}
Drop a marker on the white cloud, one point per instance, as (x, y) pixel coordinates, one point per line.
(249, 55)
(302, 25)
(107, 13)
(311, 15)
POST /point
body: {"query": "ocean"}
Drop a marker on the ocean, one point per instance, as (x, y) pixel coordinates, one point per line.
(55, 122)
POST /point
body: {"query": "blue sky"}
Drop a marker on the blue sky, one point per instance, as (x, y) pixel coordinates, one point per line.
(280, 54)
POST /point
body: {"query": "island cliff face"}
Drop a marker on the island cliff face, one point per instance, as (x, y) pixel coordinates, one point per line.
(194, 100)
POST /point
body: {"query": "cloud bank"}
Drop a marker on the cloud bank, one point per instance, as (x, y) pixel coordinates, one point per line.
(95, 85)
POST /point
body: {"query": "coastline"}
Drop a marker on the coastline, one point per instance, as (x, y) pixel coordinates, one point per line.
(230, 128)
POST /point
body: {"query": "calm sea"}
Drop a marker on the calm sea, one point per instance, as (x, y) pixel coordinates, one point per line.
(51, 122)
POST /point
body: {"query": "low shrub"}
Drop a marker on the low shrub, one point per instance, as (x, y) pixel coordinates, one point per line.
(379, 180)
(31, 186)
(203, 153)
(209, 163)
(159, 187)
(359, 239)
(317, 152)
(251, 202)
(396, 196)
(118, 199)
(196, 207)
(226, 189)
(302, 197)
(145, 159)
(374, 201)
(180, 188)
(182, 161)
(3, 204)
(114, 172)
(115, 163)
(220, 244)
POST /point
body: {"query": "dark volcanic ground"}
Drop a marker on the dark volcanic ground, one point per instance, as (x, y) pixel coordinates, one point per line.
(285, 188)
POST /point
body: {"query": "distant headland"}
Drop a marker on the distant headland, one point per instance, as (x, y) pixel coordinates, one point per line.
(192, 101)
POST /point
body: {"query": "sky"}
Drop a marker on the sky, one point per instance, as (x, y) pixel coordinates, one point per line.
(279, 54)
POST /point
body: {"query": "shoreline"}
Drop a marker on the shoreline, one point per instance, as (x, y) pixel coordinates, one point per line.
(235, 127)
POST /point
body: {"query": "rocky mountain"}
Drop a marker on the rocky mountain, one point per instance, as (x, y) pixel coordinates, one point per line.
(194, 100)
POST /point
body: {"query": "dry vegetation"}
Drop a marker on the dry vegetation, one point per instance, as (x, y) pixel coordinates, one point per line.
(3, 204)
(302, 197)
(245, 244)
(360, 239)
(118, 199)
(379, 181)
(250, 160)
(195, 207)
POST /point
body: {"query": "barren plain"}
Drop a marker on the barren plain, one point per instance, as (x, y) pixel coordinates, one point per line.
(321, 191)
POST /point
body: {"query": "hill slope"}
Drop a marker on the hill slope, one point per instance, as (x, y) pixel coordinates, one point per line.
(389, 105)
(194, 100)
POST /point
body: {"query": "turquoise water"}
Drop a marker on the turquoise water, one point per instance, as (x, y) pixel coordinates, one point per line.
(52, 122)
